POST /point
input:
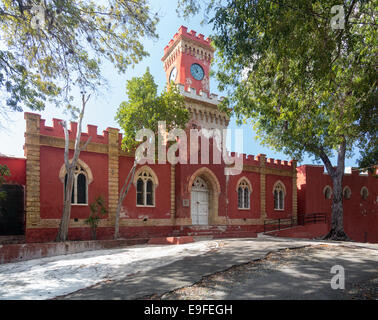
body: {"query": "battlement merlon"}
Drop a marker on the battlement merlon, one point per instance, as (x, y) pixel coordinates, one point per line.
(262, 160)
(191, 37)
(200, 95)
(36, 125)
(349, 171)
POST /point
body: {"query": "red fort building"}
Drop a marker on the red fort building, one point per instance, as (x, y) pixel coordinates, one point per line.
(182, 199)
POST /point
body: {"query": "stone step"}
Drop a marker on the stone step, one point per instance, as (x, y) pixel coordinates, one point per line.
(171, 240)
(222, 234)
(241, 234)
(202, 238)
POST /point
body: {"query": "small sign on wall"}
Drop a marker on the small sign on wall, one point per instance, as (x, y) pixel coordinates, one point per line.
(185, 202)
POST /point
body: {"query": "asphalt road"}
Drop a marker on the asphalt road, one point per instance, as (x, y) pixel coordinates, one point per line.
(301, 279)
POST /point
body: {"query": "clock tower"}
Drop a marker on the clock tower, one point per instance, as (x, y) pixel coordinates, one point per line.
(187, 60)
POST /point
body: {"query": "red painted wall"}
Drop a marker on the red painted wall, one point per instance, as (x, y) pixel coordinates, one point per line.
(288, 200)
(162, 207)
(255, 203)
(17, 167)
(51, 192)
(51, 187)
(360, 216)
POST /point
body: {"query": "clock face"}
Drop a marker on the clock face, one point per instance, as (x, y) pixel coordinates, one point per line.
(173, 75)
(197, 71)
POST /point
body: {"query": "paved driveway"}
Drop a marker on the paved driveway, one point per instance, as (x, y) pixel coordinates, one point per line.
(302, 278)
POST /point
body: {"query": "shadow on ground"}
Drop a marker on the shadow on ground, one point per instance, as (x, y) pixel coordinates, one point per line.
(305, 276)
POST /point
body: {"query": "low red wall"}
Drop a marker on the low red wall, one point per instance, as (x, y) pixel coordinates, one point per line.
(307, 232)
(82, 234)
(37, 235)
(21, 252)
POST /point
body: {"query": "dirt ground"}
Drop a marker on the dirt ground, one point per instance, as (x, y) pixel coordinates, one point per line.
(234, 282)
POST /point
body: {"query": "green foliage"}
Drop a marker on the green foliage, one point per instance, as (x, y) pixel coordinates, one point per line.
(4, 172)
(145, 108)
(306, 87)
(368, 142)
(188, 8)
(98, 209)
(44, 64)
(369, 154)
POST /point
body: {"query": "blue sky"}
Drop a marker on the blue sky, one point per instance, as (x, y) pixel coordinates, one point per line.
(102, 108)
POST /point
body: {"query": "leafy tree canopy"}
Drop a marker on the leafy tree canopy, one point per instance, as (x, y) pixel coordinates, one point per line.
(48, 47)
(307, 87)
(145, 108)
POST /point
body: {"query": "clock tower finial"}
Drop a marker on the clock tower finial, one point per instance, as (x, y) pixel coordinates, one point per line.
(187, 59)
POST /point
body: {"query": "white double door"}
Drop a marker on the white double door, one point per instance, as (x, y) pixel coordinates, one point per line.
(200, 203)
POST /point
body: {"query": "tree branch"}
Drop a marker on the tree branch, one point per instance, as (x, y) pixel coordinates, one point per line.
(331, 170)
(66, 144)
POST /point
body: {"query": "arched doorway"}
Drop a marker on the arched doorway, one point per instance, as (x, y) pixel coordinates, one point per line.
(200, 202)
(214, 190)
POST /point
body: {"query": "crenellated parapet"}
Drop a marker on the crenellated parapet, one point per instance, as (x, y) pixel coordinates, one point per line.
(57, 131)
(261, 160)
(192, 93)
(191, 35)
(188, 43)
(348, 171)
(203, 108)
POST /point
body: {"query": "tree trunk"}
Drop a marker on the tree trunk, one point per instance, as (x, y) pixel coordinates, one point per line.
(70, 170)
(122, 195)
(64, 223)
(337, 226)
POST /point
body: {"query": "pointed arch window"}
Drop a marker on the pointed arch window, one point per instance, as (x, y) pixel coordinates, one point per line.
(279, 193)
(145, 188)
(80, 185)
(244, 191)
